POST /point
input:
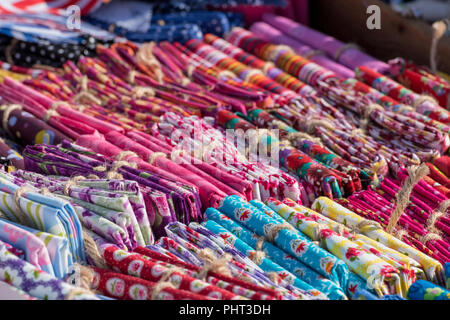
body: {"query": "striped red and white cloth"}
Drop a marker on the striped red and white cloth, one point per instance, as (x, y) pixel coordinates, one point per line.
(48, 6)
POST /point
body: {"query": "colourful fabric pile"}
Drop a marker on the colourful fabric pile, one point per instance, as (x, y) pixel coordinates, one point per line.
(270, 164)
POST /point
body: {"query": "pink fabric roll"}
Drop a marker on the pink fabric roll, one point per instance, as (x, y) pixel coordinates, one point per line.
(350, 57)
(269, 33)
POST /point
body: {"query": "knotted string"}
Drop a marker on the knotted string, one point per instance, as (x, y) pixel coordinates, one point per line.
(163, 283)
(267, 66)
(190, 71)
(140, 91)
(358, 228)
(84, 92)
(313, 123)
(274, 53)
(415, 174)
(405, 107)
(175, 154)
(214, 264)
(225, 73)
(251, 73)
(51, 112)
(435, 216)
(84, 277)
(6, 113)
(274, 277)
(439, 28)
(423, 98)
(377, 169)
(366, 115)
(18, 209)
(156, 155)
(294, 136)
(273, 232)
(72, 182)
(92, 251)
(429, 237)
(259, 255)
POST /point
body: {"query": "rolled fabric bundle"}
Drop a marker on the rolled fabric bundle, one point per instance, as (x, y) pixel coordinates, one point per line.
(35, 251)
(395, 90)
(360, 253)
(244, 72)
(269, 70)
(323, 179)
(165, 197)
(265, 264)
(24, 276)
(134, 264)
(57, 247)
(443, 164)
(436, 185)
(269, 33)
(126, 287)
(198, 239)
(438, 175)
(283, 57)
(29, 129)
(45, 212)
(324, 263)
(196, 140)
(322, 79)
(302, 271)
(433, 269)
(70, 121)
(210, 195)
(351, 183)
(416, 81)
(96, 197)
(425, 290)
(212, 277)
(345, 54)
(307, 97)
(393, 105)
(392, 128)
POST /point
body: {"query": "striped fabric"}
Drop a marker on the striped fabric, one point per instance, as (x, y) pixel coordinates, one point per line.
(47, 6)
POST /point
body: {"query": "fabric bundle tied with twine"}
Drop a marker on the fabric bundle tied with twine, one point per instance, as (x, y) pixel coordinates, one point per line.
(117, 164)
(295, 136)
(259, 255)
(213, 264)
(433, 232)
(366, 113)
(415, 174)
(83, 277)
(312, 123)
(84, 93)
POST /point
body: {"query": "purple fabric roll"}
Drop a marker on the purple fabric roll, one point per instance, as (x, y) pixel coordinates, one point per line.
(269, 33)
(348, 56)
